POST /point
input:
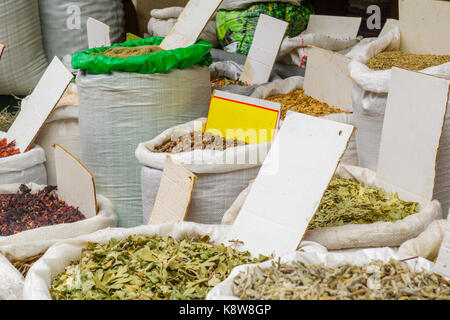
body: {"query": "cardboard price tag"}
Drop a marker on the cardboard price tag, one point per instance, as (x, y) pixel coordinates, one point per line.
(76, 184)
(327, 78)
(265, 47)
(243, 118)
(98, 34)
(190, 24)
(334, 26)
(2, 48)
(412, 130)
(443, 261)
(174, 194)
(37, 107)
(282, 202)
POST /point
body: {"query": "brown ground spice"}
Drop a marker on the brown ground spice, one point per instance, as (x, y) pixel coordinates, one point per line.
(298, 101)
(198, 141)
(127, 52)
(410, 61)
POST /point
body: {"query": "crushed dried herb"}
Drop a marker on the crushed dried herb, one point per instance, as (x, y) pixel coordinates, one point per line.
(148, 268)
(298, 101)
(222, 82)
(410, 61)
(198, 141)
(25, 265)
(24, 210)
(6, 119)
(349, 202)
(127, 52)
(373, 281)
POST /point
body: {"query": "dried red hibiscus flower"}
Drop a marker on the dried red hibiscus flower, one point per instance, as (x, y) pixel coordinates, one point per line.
(24, 211)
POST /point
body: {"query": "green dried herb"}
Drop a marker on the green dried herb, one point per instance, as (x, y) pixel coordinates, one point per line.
(127, 52)
(374, 281)
(6, 119)
(349, 202)
(410, 61)
(144, 268)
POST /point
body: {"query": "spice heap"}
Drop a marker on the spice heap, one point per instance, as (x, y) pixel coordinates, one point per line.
(25, 211)
(6, 119)
(8, 149)
(374, 281)
(24, 266)
(410, 61)
(222, 82)
(144, 268)
(349, 202)
(298, 101)
(198, 141)
(127, 52)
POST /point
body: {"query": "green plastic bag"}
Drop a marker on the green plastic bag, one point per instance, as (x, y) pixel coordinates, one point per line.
(159, 62)
(235, 29)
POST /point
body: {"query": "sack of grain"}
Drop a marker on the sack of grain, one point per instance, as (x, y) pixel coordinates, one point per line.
(24, 167)
(162, 21)
(286, 86)
(11, 281)
(221, 175)
(23, 61)
(379, 234)
(33, 242)
(370, 92)
(64, 24)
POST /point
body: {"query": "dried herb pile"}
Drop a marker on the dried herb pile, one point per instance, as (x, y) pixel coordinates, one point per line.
(127, 52)
(349, 202)
(24, 211)
(6, 119)
(148, 268)
(374, 281)
(298, 101)
(198, 141)
(8, 149)
(222, 82)
(25, 265)
(410, 61)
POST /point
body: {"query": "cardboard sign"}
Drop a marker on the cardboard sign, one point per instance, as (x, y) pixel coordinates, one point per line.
(190, 24)
(2, 47)
(334, 26)
(76, 184)
(424, 26)
(443, 261)
(174, 194)
(98, 34)
(38, 106)
(281, 204)
(327, 78)
(413, 124)
(390, 24)
(243, 118)
(266, 44)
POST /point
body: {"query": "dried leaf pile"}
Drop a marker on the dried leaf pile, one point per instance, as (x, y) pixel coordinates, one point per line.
(198, 141)
(298, 101)
(25, 265)
(6, 119)
(222, 82)
(410, 61)
(127, 52)
(349, 202)
(148, 268)
(374, 281)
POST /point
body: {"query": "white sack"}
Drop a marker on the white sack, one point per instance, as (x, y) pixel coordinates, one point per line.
(117, 111)
(296, 83)
(162, 21)
(59, 256)
(428, 243)
(370, 92)
(224, 291)
(221, 175)
(64, 24)
(24, 167)
(242, 4)
(33, 242)
(380, 234)
(23, 61)
(11, 281)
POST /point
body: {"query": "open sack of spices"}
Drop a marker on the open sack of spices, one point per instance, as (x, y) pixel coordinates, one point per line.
(223, 168)
(289, 92)
(370, 274)
(17, 167)
(159, 262)
(32, 218)
(355, 213)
